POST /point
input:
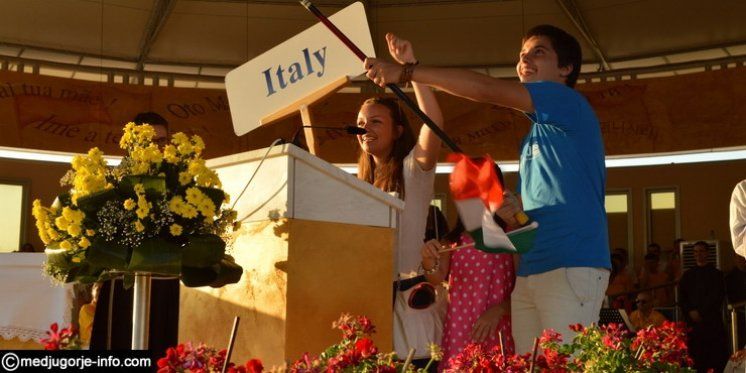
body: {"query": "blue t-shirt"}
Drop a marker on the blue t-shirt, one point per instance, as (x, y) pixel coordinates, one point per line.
(562, 182)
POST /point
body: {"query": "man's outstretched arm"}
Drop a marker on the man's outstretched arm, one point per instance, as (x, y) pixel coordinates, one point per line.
(458, 82)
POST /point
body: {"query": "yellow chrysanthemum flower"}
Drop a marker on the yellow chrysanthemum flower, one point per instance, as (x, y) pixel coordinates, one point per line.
(84, 243)
(129, 204)
(73, 216)
(194, 196)
(207, 208)
(53, 235)
(179, 138)
(42, 220)
(89, 174)
(90, 232)
(170, 154)
(185, 178)
(61, 223)
(198, 143)
(136, 135)
(143, 207)
(175, 203)
(185, 148)
(74, 230)
(66, 245)
(138, 226)
(189, 211)
(175, 229)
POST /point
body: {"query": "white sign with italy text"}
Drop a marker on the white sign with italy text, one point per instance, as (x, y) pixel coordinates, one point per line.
(296, 68)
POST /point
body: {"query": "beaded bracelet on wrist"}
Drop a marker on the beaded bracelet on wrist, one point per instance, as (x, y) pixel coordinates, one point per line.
(407, 71)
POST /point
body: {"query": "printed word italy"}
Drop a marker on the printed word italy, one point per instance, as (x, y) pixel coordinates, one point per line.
(296, 71)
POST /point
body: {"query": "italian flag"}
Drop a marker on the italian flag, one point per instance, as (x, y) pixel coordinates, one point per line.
(478, 193)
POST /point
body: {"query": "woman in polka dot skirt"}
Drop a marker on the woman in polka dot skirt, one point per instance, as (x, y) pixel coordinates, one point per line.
(479, 287)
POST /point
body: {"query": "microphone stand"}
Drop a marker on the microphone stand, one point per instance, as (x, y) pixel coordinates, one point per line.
(295, 140)
(350, 130)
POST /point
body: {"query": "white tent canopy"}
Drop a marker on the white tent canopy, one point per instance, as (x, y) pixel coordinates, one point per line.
(207, 38)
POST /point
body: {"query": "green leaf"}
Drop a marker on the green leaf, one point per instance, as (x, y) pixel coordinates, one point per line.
(65, 199)
(154, 185)
(218, 275)
(156, 255)
(58, 258)
(91, 203)
(196, 277)
(85, 273)
(172, 175)
(108, 255)
(229, 273)
(203, 251)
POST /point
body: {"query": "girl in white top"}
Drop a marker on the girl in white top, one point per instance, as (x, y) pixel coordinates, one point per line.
(392, 160)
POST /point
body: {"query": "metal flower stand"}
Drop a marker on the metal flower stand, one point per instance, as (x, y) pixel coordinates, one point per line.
(141, 311)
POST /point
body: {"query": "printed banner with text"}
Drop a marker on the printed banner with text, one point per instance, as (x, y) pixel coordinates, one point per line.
(688, 112)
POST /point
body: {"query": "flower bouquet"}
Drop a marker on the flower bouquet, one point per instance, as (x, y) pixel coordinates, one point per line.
(608, 348)
(203, 359)
(357, 352)
(157, 212)
(62, 339)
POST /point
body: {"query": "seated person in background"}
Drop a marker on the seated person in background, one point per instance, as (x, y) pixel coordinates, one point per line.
(632, 275)
(645, 315)
(619, 283)
(651, 276)
(654, 248)
(85, 317)
(674, 263)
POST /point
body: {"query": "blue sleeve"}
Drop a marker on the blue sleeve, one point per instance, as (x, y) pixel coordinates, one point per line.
(555, 104)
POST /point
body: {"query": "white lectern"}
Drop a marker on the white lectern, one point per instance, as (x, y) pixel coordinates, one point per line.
(316, 242)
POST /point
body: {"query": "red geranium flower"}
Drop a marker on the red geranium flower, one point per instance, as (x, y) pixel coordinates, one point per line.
(365, 347)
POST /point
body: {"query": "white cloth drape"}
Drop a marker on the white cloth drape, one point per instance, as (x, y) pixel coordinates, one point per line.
(30, 302)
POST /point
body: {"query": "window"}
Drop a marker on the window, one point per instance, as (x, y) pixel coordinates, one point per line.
(619, 219)
(12, 215)
(662, 215)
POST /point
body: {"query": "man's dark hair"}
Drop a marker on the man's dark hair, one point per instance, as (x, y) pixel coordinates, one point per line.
(565, 45)
(154, 119)
(655, 245)
(703, 244)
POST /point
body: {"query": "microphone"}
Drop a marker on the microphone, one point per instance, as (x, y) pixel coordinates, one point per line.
(351, 130)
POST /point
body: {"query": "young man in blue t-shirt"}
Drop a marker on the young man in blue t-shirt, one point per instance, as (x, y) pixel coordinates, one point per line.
(562, 280)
